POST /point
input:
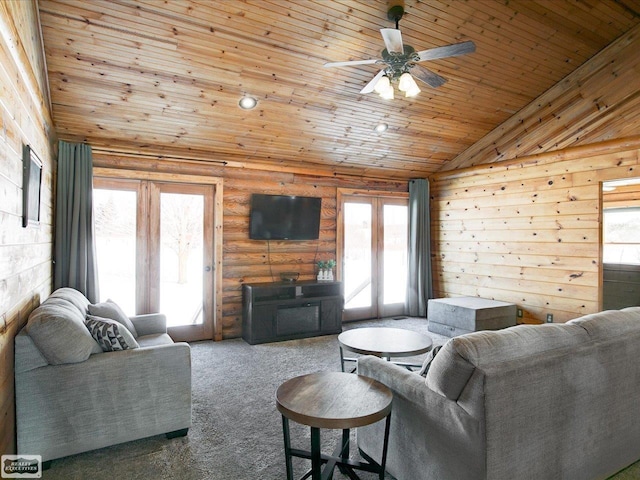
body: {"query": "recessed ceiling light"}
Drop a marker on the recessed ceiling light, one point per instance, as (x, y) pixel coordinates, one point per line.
(247, 103)
(381, 127)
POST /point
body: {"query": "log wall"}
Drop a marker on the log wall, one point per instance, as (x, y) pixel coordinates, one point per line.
(528, 231)
(25, 253)
(245, 260)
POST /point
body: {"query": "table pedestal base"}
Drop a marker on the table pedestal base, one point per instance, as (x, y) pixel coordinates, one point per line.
(409, 366)
(340, 457)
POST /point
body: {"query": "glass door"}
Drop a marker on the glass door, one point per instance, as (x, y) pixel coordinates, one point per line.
(182, 258)
(116, 216)
(373, 233)
(357, 258)
(155, 248)
(395, 241)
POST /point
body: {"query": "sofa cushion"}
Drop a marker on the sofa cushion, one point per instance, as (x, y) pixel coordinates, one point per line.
(455, 363)
(71, 296)
(449, 372)
(631, 309)
(111, 310)
(486, 347)
(428, 360)
(610, 323)
(154, 340)
(110, 335)
(58, 330)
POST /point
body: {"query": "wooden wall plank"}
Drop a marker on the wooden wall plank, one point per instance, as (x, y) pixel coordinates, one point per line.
(499, 243)
(25, 253)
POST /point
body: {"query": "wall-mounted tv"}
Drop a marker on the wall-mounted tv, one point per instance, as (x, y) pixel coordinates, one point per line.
(284, 217)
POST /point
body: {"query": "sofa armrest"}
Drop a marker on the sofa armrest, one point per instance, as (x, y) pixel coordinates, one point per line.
(425, 425)
(150, 323)
(401, 381)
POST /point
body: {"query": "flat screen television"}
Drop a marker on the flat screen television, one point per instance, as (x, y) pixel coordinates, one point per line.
(284, 217)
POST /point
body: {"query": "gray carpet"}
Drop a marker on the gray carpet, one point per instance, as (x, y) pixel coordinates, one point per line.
(237, 431)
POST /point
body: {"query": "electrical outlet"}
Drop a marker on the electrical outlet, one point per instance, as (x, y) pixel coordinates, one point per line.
(519, 313)
(549, 317)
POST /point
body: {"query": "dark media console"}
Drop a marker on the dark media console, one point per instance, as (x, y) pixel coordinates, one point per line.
(272, 312)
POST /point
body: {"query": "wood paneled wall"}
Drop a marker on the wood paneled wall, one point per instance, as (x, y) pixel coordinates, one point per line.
(25, 253)
(620, 282)
(597, 102)
(245, 260)
(528, 231)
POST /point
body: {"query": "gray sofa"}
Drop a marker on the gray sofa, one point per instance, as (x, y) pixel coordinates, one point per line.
(71, 396)
(553, 401)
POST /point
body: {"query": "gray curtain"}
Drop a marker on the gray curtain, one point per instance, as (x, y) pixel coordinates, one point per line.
(75, 255)
(419, 282)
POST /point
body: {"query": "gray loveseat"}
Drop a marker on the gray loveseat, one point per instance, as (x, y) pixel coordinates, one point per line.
(72, 397)
(553, 401)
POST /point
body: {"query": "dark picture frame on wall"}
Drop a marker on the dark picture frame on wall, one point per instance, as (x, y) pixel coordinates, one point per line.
(31, 181)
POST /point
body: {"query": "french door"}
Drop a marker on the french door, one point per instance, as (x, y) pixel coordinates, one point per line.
(372, 244)
(155, 245)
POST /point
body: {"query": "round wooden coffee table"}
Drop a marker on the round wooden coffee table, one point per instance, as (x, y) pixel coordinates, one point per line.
(383, 342)
(334, 400)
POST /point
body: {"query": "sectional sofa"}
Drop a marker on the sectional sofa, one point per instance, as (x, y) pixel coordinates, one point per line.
(528, 402)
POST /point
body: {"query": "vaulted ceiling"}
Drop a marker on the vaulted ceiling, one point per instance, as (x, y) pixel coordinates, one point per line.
(164, 78)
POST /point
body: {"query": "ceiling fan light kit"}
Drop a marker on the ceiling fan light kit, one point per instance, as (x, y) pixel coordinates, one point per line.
(402, 62)
(408, 85)
(388, 93)
(384, 88)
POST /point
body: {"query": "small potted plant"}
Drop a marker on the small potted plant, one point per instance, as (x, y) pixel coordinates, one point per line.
(325, 270)
(330, 266)
(321, 270)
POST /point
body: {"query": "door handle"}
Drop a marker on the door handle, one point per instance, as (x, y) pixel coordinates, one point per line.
(207, 268)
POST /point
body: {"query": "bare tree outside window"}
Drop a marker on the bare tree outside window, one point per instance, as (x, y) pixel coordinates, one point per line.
(182, 229)
(115, 228)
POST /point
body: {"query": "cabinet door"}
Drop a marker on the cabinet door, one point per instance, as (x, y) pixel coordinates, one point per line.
(262, 322)
(331, 315)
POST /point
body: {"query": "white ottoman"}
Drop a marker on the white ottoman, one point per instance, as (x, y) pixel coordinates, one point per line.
(459, 315)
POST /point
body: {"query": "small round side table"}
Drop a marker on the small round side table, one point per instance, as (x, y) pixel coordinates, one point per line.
(334, 400)
(383, 342)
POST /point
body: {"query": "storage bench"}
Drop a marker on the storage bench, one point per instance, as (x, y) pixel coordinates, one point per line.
(459, 315)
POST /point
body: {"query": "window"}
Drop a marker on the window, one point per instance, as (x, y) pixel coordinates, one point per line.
(621, 236)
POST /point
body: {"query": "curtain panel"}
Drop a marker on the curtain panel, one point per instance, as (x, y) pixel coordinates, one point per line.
(75, 254)
(419, 281)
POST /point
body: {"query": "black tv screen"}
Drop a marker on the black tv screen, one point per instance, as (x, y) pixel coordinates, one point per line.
(284, 217)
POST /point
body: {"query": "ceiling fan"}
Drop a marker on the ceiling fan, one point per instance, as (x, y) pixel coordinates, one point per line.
(402, 62)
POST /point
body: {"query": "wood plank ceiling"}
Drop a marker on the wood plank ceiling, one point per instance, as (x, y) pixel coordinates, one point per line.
(164, 77)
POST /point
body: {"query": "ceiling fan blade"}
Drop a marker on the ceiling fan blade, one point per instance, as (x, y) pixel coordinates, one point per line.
(352, 63)
(427, 76)
(368, 88)
(392, 40)
(447, 51)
